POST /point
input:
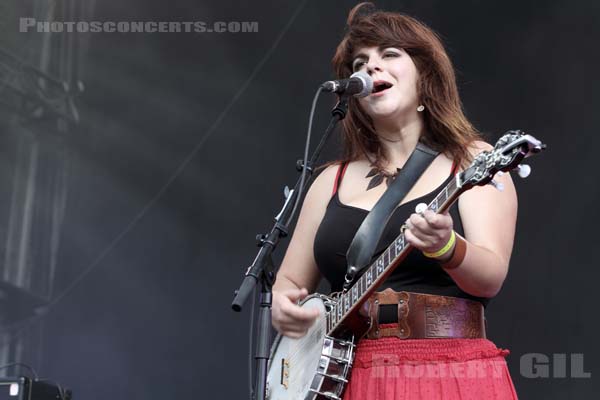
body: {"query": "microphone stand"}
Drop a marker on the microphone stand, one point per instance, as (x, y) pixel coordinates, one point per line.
(262, 269)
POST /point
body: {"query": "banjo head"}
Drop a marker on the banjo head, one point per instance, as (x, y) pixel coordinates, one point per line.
(312, 365)
(294, 362)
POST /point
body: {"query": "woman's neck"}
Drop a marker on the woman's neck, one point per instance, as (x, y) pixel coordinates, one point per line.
(399, 138)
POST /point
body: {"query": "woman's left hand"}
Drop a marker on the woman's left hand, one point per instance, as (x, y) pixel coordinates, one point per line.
(430, 231)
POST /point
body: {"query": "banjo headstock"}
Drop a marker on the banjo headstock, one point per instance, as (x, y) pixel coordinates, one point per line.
(507, 155)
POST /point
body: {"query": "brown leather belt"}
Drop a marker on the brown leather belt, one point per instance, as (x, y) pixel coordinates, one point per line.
(423, 316)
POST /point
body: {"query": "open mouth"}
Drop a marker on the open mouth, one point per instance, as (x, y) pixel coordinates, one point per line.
(380, 86)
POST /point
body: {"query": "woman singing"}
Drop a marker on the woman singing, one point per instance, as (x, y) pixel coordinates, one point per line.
(459, 258)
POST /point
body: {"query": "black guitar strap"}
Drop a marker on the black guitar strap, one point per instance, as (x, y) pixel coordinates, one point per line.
(363, 245)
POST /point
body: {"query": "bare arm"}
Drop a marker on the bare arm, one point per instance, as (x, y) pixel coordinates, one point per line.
(298, 274)
(489, 218)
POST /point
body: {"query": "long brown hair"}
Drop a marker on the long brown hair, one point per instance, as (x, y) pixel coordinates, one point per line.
(446, 127)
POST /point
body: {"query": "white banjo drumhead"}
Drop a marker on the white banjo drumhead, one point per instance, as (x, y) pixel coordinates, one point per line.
(294, 362)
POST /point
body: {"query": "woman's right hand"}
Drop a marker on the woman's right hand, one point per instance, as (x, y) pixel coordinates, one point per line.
(288, 317)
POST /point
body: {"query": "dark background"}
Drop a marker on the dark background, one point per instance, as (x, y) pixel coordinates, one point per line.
(186, 141)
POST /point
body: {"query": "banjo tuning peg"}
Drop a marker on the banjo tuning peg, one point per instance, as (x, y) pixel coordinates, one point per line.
(523, 170)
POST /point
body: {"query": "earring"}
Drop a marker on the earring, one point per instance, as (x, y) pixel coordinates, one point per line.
(420, 108)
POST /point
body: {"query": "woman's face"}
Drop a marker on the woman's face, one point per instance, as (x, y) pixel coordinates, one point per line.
(394, 82)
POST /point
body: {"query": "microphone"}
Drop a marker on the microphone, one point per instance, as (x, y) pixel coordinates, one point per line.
(360, 84)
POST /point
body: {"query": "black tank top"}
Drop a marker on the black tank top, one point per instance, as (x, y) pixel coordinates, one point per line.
(416, 273)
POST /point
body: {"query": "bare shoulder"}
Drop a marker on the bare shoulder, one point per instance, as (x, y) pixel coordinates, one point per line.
(319, 194)
(327, 177)
(322, 186)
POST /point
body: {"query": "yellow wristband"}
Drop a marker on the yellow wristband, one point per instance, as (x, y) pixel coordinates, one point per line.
(444, 249)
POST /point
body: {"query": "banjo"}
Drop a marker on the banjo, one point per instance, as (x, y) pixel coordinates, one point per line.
(317, 365)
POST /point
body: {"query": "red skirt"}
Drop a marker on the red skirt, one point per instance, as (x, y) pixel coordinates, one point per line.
(401, 369)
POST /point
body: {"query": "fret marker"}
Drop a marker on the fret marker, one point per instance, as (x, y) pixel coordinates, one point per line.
(399, 244)
(434, 205)
(379, 266)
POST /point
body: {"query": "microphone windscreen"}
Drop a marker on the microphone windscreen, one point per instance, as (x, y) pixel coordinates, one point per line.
(366, 83)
